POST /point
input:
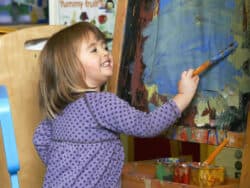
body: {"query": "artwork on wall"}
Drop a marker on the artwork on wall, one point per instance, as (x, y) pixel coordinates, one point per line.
(175, 35)
(29, 2)
(14, 12)
(99, 12)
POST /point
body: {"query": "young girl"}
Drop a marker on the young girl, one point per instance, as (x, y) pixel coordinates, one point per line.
(78, 140)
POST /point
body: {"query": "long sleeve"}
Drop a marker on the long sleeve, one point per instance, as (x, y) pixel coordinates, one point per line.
(117, 115)
(42, 140)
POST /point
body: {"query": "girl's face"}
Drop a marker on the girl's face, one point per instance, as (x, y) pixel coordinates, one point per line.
(96, 60)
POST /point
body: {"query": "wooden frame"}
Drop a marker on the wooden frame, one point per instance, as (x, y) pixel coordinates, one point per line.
(119, 33)
(245, 175)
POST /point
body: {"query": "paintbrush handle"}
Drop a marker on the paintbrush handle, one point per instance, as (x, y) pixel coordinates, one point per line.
(202, 68)
(216, 58)
(212, 156)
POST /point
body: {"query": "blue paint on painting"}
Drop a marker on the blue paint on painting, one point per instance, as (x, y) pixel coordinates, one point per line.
(183, 36)
(163, 3)
(230, 4)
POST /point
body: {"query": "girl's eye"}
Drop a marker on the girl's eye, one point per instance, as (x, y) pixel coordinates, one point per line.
(94, 50)
(105, 47)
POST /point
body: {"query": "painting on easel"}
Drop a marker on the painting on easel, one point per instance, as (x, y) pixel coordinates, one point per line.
(175, 35)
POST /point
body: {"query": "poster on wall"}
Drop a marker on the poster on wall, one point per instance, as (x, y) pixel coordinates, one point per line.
(14, 12)
(99, 12)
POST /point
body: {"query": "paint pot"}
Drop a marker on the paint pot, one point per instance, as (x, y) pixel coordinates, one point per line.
(182, 173)
(165, 168)
(207, 176)
(169, 171)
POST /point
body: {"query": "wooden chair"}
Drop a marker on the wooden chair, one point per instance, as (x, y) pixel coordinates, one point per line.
(18, 94)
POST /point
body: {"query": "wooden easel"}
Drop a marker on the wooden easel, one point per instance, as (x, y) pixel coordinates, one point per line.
(244, 181)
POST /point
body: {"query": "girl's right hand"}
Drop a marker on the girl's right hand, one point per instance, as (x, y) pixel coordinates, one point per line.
(186, 89)
(188, 83)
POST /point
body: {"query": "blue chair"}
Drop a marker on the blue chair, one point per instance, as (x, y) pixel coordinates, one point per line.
(8, 135)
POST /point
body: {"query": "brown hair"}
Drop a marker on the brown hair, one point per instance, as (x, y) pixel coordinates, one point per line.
(62, 77)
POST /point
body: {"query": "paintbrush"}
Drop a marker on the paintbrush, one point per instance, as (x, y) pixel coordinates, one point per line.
(214, 154)
(217, 58)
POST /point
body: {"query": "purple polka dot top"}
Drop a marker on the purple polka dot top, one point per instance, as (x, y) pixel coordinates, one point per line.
(81, 146)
